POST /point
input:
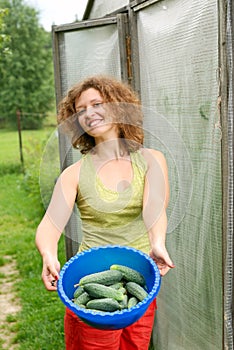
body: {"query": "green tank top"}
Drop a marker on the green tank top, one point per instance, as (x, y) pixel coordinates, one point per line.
(111, 217)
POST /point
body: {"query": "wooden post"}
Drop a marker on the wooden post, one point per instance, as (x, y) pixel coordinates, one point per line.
(18, 115)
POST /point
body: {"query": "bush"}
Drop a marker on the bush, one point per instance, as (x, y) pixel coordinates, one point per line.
(32, 121)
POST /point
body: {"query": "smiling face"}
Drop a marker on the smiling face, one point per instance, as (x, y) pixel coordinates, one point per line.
(92, 115)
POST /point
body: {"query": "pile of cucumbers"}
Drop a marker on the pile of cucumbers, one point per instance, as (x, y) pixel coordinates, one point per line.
(118, 288)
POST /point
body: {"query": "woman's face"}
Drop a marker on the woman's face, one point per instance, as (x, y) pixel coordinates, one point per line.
(92, 117)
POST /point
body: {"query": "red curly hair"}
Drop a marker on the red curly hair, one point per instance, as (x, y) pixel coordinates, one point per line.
(121, 101)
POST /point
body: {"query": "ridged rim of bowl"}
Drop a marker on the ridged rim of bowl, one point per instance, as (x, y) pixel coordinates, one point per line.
(104, 314)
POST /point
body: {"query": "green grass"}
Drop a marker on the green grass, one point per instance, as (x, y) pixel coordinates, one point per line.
(9, 141)
(39, 326)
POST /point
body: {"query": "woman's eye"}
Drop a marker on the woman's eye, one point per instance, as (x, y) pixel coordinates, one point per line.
(80, 113)
(98, 104)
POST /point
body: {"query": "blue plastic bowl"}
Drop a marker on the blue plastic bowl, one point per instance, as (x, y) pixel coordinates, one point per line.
(99, 259)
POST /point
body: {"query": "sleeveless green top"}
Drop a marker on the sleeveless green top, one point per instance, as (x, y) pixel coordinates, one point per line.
(111, 217)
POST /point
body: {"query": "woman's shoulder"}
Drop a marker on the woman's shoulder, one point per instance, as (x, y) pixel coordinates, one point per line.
(73, 167)
(152, 154)
(71, 173)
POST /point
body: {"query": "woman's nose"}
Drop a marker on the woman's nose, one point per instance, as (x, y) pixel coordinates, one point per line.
(90, 111)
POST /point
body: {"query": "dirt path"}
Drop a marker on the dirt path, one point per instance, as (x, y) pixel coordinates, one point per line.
(9, 304)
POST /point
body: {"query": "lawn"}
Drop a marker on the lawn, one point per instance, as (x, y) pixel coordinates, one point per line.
(39, 325)
(9, 141)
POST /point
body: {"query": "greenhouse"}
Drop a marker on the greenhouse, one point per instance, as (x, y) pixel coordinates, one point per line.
(178, 55)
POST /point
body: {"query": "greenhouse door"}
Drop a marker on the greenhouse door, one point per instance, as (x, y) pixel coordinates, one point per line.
(82, 49)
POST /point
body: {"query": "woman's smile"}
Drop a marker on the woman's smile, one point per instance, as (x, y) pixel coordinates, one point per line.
(95, 122)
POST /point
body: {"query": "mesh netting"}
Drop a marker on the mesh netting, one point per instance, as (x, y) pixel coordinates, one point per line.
(89, 52)
(101, 8)
(229, 187)
(178, 46)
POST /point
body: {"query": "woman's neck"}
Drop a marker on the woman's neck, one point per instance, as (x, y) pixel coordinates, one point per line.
(110, 149)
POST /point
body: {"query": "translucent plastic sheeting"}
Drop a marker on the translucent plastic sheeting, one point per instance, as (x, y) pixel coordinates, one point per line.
(102, 8)
(88, 52)
(178, 48)
(49, 168)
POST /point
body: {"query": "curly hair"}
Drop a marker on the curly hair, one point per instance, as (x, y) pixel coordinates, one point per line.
(120, 100)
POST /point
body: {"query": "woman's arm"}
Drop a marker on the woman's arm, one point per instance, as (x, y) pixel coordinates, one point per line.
(53, 223)
(155, 202)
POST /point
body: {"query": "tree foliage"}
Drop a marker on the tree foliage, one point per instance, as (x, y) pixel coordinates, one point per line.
(4, 38)
(26, 75)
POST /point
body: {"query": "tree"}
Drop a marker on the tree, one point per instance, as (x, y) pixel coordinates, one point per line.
(26, 76)
(4, 39)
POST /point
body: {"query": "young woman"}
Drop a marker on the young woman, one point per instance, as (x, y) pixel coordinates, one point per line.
(121, 190)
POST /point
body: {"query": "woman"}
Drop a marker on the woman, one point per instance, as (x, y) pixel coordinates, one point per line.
(121, 190)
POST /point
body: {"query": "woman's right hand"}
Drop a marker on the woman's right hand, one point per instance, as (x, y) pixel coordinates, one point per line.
(50, 271)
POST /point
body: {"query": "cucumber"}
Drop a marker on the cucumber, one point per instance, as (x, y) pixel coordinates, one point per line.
(106, 277)
(136, 290)
(97, 290)
(103, 304)
(132, 302)
(117, 285)
(129, 274)
(78, 292)
(81, 306)
(82, 299)
(124, 303)
(123, 290)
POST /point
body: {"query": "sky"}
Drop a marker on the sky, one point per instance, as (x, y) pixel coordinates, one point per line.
(58, 11)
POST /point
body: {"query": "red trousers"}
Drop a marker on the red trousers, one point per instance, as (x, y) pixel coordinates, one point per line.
(80, 336)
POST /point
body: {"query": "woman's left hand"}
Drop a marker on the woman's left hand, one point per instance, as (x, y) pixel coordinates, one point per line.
(162, 259)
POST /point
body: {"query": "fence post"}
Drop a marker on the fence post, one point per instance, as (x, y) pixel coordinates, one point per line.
(18, 115)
